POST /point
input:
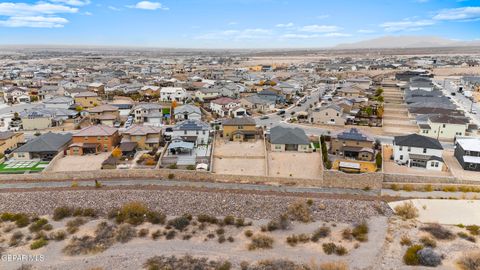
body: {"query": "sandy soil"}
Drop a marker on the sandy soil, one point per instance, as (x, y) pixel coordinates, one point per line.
(80, 163)
(294, 164)
(134, 253)
(239, 166)
(457, 169)
(239, 158)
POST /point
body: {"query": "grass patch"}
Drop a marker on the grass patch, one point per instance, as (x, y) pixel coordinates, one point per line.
(406, 210)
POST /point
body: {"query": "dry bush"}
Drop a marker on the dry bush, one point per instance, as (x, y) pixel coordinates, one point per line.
(132, 212)
(179, 223)
(39, 225)
(15, 239)
(280, 223)
(347, 234)
(470, 261)
(207, 219)
(104, 238)
(261, 242)
(186, 262)
(274, 265)
(156, 217)
(143, 232)
(333, 266)
(300, 211)
(294, 239)
(466, 237)
(428, 241)
(76, 222)
(360, 232)
(406, 210)
(321, 232)
(329, 248)
(248, 233)
(125, 233)
(405, 241)
(439, 232)
(58, 235)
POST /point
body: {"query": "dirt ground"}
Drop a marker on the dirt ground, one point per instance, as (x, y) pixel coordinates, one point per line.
(79, 163)
(239, 158)
(456, 168)
(294, 164)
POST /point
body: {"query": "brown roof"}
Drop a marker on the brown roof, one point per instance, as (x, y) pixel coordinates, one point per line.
(98, 130)
(103, 108)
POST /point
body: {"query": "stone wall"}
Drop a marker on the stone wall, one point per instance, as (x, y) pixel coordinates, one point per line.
(357, 181)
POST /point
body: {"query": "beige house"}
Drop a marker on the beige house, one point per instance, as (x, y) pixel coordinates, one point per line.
(87, 99)
(289, 139)
(146, 137)
(10, 140)
(353, 144)
(444, 127)
(104, 114)
(327, 115)
(351, 91)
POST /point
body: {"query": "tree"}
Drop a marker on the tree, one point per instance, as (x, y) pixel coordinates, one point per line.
(117, 153)
(79, 108)
(378, 160)
(380, 111)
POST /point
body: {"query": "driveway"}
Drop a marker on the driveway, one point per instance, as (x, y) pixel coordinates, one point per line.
(457, 169)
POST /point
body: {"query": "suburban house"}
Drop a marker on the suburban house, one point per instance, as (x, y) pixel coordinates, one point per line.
(93, 140)
(467, 152)
(193, 131)
(289, 139)
(352, 144)
(186, 112)
(207, 93)
(327, 115)
(87, 99)
(150, 91)
(60, 102)
(221, 106)
(39, 117)
(9, 141)
(418, 151)
(173, 93)
(258, 103)
(237, 112)
(444, 126)
(240, 129)
(104, 114)
(351, 91)
(146, 137)
(421, 83)
(16, 95)
(151, 113)
(44, 147)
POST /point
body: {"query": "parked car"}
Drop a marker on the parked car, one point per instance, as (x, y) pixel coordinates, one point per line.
(265, 117)
(281, 112)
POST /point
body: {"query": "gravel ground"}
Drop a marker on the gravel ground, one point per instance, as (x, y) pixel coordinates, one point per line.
(178, 202)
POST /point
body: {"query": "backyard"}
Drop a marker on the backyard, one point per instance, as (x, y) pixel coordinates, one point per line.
(22, 166)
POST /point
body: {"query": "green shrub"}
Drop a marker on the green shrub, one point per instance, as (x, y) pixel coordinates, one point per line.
(438, 231)
(248, 233)
(156, 217)
(191, 167)
(207, 219)
(173, 166)
(7, 217)
(21, 220)
(38, 225)
(321, 232)
(125, 233)
(229, 220)
(467, 237)
(179, 223)
(62, 212)
(360, 232)
(300, 211)
(329, 248)
(411, 255)
(133, 213)
(473, 229)
(171, 176)
(39, 243)
(340, 250)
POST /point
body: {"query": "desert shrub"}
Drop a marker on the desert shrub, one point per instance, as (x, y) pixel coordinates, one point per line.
(103, 239)
(76, 222)
(231, 239)
(220, 231)
(293, 239)
(347, 234)
(21, 220)
(179, 223)
(360, 232)
(280, 223)
(408, 187)
(405, 241)
(428, 188)
(394, 187)
(240, 222)
(428, 242)
(248, 233)
(300, 211)
(340, 250)
(406, 210)
(15, 239)
(170, 234)
(211, 235)
(439, 232)
(173, 166)
(39, 243)
(470, 261)
(7, 216)
(171, 176)
(156, 234)
(449, 189)
(221, 239)
(321, 232)
(38, 225)
(125, 233)
(185, 262)
(62, 212)
(156, 217)
(229, 220)
(467, 237)
(58, 235)
(333, 266)
(329, 248)
(261, 242)
(411, 257)
(89, 212)
(143, 232)
(133, 213)
(72, 229)
(428, 257)
(473, 229)
(207, 219)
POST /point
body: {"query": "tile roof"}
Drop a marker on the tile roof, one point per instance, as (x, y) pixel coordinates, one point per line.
(416, 140)
(97, 130)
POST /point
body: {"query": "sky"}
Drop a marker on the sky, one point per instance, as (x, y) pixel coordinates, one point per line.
(232, 23)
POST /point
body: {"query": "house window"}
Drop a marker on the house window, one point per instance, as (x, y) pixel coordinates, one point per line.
(400, 148)
(409, 149)
(240, 127)
(443, 125)
(424, 150)
(185, 132)
(99, 139)
(203, 132)
(197, 132)
(401, 157)
(85, 138)
(105, 147)
(278, 147)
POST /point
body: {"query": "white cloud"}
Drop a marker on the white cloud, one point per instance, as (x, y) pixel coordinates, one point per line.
(24, 9)
(314, 28)
(285, 25)
(34, 21)
(147, 5)
(337, 35)
(366, 31)
(323, 16)
(313, 36)
(113, 8)
(406, 25)
(72, 2)
(87, 13)
(254, 33)
(38, 15)
(458, 14)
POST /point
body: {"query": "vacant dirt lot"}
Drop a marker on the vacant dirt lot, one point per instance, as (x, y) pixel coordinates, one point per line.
(80, 163)
(244, 158)
(294, 164)
(457, 169)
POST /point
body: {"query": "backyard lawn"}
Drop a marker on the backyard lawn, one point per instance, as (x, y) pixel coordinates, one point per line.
(22, 166)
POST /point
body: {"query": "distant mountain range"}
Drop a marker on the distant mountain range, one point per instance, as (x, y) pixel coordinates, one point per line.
(391, 42)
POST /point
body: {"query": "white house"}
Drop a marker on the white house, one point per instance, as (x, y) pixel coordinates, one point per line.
(444, 127)
(173, 93)
(187, 112)
(418, 151)
(221, 106)
(192, 131)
